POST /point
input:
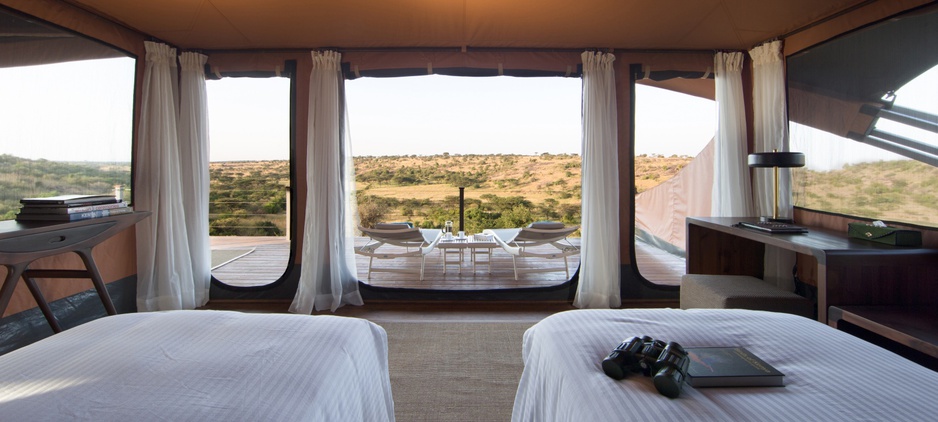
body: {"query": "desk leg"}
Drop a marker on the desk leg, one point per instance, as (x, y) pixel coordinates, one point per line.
(95, 276)
(14, 272)
(43, 305)
(9, 284)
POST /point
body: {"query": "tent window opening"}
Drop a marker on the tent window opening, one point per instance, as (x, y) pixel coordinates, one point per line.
(66, 114)
(907, 124)
(673, 162)
(864, 110)
(511, 143)
(250, 178)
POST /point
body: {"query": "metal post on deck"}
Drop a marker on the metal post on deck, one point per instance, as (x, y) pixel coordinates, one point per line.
(462, 208)
(289, 199)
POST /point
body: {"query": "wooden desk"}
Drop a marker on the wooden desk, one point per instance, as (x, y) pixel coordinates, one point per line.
(849, 271)
(21, 243)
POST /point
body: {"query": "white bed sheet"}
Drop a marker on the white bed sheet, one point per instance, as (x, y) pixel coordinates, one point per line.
(829, 375)
(202, 366)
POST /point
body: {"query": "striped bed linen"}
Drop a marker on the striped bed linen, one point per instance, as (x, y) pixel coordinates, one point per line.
(829, 375)
(202, 366)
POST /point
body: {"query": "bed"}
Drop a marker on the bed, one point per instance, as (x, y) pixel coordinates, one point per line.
(202, 366)
(829, 375)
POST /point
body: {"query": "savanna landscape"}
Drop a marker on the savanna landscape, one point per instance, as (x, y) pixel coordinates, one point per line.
(249, 198)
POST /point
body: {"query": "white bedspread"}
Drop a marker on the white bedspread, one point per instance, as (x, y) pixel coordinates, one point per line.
(829, 375)
(202, 366)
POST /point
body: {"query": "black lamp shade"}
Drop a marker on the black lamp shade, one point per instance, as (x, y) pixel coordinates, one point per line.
(776, 159)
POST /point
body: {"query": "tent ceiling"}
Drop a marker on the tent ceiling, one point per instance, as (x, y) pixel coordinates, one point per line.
(620, 24)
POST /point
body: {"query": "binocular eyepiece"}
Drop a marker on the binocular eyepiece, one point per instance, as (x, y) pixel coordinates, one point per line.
(666, 363)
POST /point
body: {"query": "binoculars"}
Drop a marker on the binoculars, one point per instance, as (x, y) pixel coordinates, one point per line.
(666, 363)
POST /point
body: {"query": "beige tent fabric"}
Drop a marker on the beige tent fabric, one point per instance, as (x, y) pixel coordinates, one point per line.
(603, 24)
(660, 212)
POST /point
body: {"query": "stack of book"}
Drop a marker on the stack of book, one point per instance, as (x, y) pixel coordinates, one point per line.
(70, 207)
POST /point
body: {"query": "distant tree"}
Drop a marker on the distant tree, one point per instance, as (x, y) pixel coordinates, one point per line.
(516, 217)
(370, 211)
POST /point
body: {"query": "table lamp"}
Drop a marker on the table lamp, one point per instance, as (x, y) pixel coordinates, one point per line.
(775, 160)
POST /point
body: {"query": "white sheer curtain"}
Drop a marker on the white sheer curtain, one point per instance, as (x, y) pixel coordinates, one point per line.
(328, 276)
(771, 133)
(771, 126)
(164, 267)
(732, 194)
(193, 153)
(599, 260)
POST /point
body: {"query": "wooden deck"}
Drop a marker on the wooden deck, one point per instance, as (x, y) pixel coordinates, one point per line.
(252, 261)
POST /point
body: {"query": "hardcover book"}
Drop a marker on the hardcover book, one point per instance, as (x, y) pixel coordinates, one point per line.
(75, 216)
(64, 209)
(729, 367)
(71, 200)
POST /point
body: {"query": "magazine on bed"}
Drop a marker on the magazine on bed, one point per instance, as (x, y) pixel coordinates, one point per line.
(729, 367)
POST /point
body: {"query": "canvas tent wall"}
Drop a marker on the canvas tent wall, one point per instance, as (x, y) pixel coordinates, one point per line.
(478, 34)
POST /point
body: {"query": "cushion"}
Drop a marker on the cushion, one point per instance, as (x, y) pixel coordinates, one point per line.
(394, 226)
(740, 292)
(546, 225)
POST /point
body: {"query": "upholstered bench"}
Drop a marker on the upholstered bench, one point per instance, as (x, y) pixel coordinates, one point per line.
(740, 291)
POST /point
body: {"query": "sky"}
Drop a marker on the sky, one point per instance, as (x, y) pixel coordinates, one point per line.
(249, 118)
(94, 102)
(427, 115)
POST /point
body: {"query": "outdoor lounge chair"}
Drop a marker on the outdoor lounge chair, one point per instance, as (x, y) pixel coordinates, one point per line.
(416, 243)
(523, 242)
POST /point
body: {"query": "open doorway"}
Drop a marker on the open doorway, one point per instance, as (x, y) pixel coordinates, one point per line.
(249, 171)
(512, 144)
(673, 163)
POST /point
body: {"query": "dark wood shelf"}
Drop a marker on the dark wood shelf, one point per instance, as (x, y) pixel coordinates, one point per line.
(915, 326)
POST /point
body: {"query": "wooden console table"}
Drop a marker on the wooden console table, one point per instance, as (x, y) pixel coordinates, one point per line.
(850, 272)
(21, 243)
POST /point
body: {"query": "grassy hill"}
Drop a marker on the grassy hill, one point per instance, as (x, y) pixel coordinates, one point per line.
(902, 190)
(24, 178)
(249, 197)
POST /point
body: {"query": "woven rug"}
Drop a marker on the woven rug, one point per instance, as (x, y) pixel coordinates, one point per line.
(454, 371)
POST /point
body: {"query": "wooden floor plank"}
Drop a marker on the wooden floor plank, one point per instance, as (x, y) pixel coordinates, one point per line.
(268, 260)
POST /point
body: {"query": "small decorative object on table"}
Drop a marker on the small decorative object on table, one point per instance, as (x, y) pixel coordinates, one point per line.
(448, 230)
(881, 233)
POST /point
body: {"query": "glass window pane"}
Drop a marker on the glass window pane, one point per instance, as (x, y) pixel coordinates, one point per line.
(249, 132)
(66, 125)
(673, 134)
(848, 115)
(513, 143)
